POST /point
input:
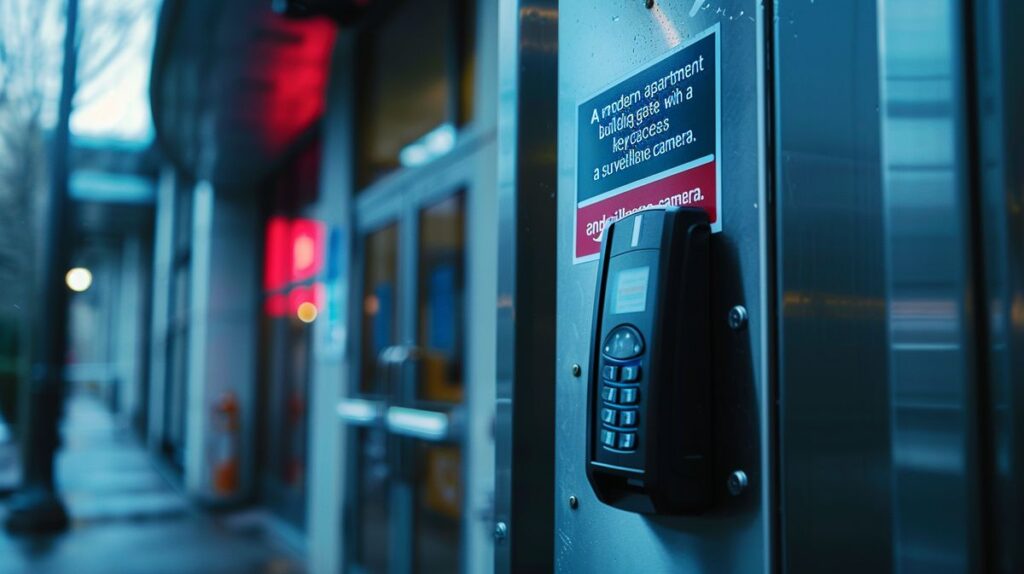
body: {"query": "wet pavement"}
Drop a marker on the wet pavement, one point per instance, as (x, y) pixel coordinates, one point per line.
(126, 518)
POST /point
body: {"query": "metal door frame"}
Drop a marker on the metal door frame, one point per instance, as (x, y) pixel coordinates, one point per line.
(335, 355)
(399, 200)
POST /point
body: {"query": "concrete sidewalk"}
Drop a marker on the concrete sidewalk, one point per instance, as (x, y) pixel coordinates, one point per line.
(127, 519)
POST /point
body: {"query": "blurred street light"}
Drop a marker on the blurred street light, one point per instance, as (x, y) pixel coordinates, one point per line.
(78, 279)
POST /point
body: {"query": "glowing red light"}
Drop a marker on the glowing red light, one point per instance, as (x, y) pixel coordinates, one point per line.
(305, 294)
(276, 305)
(277, 258)
(307, 239)
(294, 254)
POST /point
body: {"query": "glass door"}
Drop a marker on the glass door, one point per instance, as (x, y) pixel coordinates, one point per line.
(369, 443)
(405, 410)
(437, 476)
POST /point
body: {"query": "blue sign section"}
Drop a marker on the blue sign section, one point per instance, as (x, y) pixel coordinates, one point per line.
(383, 321)
(441, 316)
(660, 117)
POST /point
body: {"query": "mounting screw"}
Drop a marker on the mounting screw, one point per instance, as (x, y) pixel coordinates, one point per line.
(737, 482)
(737, 317)
(574, 502)
(577, 370)
(500, 531)
(649, 4)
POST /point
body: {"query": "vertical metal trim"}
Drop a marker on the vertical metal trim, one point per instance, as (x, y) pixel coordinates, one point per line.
(481, 287)
(129, 342)
(980, 461)
(403, 497)
(199, 316)
(882, 49)
(163, 261)
(770, 324)
(998, 49)
(527, 256)
(326, 503)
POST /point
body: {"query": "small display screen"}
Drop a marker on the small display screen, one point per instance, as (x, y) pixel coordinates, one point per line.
(630, 294)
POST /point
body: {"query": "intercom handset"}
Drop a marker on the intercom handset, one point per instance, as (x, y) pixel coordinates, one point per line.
(648, 424)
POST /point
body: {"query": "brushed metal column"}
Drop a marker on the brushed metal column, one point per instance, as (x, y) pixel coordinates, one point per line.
(525, 426)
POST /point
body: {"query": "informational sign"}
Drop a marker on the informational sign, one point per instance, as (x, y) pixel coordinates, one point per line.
(651, 139)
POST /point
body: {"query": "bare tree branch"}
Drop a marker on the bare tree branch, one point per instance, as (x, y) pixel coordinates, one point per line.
(31, 33)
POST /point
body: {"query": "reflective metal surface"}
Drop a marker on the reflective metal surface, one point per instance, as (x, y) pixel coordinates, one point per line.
(599, 42)
(331, 358)
(525, 417)
(834, 428)
(878, 379)
(999, 68)
(925, 168)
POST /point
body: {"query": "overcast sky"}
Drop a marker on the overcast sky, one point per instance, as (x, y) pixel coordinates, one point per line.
(115, 104)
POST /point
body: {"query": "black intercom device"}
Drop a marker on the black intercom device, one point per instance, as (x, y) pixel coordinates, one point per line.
(649, 403)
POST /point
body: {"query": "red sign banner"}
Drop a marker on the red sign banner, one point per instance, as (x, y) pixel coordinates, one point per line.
(693, 187)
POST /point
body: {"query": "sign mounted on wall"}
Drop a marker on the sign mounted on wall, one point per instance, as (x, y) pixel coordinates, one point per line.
(651, 139)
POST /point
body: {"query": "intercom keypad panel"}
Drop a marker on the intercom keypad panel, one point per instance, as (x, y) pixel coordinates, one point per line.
(623, 362)
(648, 426)
(621, 395)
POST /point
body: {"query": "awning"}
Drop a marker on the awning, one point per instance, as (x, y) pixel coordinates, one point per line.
(236, 87)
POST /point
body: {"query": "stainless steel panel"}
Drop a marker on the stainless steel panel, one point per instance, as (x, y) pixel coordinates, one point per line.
(999, 69)
(879, 455)
(599, 42)
(834, 427)
(525, 415)
(928, 281)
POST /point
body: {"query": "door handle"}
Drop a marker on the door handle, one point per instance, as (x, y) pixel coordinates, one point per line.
(423, 424)
(367, 413)
(360, 412)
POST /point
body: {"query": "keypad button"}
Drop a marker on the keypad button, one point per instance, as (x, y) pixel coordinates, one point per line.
(627, 396)
(609, 394)
(631, 373)
(623, 342)
(627, 418)
(627, 440)
(608, 438)
(611, 373)
(609, 416)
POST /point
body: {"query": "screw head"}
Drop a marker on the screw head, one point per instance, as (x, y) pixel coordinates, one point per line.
(649, 4)
(737, 482)
(500, 531)
(577, 370)
(737, 317)
(574, 502)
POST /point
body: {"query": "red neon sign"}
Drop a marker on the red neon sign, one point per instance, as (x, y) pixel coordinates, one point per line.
(307, 240)
(294, 253)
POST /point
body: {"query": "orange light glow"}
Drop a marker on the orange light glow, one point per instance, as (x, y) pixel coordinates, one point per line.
(306, 312)
(371, 305)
